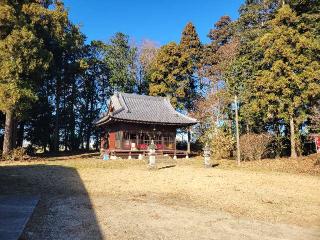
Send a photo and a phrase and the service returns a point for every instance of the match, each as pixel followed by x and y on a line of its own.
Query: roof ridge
pixel 168 103
pixel 121 100
pixel 135 95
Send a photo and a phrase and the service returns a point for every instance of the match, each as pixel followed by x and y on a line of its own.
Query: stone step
pixel 15 211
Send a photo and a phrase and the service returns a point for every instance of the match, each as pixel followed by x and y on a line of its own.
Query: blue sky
pixel 161 21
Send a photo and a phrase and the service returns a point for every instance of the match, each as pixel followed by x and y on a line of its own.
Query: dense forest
pixel 54 83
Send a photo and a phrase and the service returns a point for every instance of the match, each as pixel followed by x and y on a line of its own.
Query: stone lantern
pixel 207 156
pixel 152 154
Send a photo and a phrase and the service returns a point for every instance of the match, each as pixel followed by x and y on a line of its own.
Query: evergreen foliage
pixel 121 62
pixel 54 84
pixel 170 75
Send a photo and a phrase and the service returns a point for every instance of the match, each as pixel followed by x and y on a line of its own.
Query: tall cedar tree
pixel 65 42
pixel 251 25
pixel 22 62
pixel 221 50
pixel 289 79
pixel 191 45
pixel 93 86
pixel 121 62
pixel 170 75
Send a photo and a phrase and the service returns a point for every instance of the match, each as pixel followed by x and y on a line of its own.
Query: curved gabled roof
pixel 144 109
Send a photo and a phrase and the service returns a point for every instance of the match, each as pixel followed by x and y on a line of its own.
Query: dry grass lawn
pixel 83 197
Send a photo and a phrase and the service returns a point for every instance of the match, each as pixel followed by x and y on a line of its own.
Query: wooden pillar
pixel 317 143
pixel 189 140
pixel 175 145
pixel 162 141
pixel 102 142
pixel 137 139
pixel 121 139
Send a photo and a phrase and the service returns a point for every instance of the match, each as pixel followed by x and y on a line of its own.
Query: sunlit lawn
pixel 83 197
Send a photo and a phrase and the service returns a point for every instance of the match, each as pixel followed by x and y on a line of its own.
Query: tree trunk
pixel 237 130
pixel 14 134
pixel 56 131
pixel 56 125
pixel 89 124
pixel 88 135
pixel 189 140
pixel 8 132
pixel 72 122
pixel 20 134
pixel 292 139
pixel 80 135
pixel 278 143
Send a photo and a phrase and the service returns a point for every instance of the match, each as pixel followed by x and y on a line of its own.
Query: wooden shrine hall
pixel 133 121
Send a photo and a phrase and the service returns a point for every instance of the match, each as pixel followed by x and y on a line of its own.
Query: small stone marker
pixel 106 155
pixel 207 156
pixel 152 154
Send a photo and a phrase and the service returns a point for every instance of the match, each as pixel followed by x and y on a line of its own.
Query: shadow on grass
pixel 68 154
pixel 64 211
pixel 215 165
pixel 170 166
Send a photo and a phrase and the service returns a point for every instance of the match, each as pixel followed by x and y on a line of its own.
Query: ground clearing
pixel 86 198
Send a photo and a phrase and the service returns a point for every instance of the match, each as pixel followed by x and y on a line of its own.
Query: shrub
pixel 30 150
pixel 220 142
pixel 253 146
pixel 279 146
pixel 17 154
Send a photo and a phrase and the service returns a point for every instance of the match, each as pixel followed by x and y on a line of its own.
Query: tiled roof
pixel 141 108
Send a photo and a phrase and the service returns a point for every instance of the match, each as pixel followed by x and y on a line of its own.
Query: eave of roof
pixel 111 120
